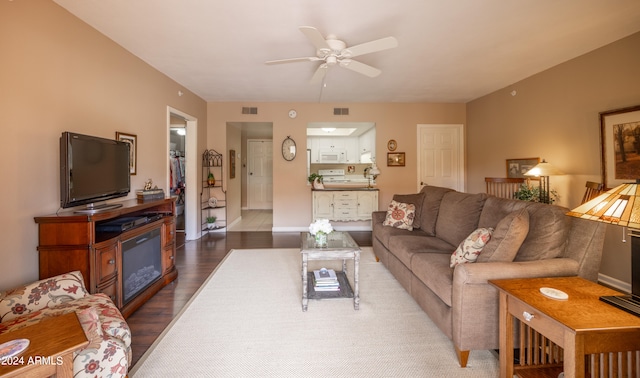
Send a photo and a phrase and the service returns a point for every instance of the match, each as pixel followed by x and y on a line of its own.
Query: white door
pixel 441 156
pixel 260 174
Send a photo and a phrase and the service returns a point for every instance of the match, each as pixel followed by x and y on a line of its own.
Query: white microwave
pixel 333 156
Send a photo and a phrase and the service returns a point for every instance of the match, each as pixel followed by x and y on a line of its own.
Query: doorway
pixel 190 211
pixel 245 210
pixel 177 167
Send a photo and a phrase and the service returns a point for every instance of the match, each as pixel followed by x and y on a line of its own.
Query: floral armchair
pixel 109 351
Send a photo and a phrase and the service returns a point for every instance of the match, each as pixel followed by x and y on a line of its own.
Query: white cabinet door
pixel 367 204
pixel 322 205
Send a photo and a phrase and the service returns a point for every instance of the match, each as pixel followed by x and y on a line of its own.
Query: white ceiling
pixel 449 51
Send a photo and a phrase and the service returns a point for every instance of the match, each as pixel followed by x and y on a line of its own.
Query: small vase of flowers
pixel 320 229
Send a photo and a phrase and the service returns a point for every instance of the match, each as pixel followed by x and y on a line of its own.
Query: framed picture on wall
pixel 395 159
pixel 133 144
pixel 516 168
pixel 232 163
pixel 620 146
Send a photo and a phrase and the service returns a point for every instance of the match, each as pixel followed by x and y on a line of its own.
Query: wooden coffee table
pixel 340 246
pixel 51 346
pixel 582 325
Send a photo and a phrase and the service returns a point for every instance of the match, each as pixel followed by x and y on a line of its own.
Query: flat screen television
pixel 92 170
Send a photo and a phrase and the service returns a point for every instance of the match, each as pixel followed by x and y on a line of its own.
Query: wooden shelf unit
pixel 68 241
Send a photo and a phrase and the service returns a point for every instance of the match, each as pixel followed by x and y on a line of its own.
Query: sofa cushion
pixel 471 247
pixel 405 246
pixel 384 234
pixel 433 270
pixel 400 215
pixel 507 237
pixel 548 232
pixel 414 199
pixel 430 208
pixel 458 216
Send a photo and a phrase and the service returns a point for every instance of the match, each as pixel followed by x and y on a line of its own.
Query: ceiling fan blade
pixel 360 68
pixel 316 38
pixel 319 74
pixel 370 47
pixel 292 60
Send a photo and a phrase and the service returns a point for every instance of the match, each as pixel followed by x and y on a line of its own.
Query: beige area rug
pixel 247 321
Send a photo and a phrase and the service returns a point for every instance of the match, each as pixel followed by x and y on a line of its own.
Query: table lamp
pixel 544 170
pixel 371 171
pixel 619 206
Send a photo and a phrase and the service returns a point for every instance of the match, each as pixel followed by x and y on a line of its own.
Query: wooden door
pixel 441 156
pixel 260 174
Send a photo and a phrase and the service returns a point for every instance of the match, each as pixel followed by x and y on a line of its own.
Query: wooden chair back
pixel 503 187
pixel 593 190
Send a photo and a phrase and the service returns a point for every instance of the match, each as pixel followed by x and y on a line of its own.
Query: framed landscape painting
pixel 620 146
pixel 516 168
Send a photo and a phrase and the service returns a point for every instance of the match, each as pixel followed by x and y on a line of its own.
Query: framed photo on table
pixel 620 146
pixel 133 144
pixel 516 168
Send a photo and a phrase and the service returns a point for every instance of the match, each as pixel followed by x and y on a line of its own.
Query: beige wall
pixel 554 115
pixel 292 195
pixel 58 74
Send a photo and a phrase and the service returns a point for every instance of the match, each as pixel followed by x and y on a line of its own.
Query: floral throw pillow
pixel 400 215
pixel 470 248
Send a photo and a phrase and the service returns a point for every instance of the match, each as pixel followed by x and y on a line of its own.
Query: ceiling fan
pixel 332 51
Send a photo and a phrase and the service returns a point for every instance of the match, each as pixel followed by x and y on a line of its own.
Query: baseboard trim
pixel 614 283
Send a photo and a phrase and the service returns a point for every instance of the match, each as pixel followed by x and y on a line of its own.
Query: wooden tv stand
pixel 68 241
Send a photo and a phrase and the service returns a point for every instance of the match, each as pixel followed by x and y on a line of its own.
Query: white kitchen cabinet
pixel 344 205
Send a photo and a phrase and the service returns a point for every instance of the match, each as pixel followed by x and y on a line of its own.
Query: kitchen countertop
pixel 327 189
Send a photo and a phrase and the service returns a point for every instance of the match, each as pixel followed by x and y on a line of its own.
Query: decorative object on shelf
pixel 232 164
pixel 211 222
pixel 516 168
pixel 392 145
pixel 372 171
pixel 543 170
pixel 213 202
pixel 618 139
pixel 130 139
pixel 320 229
pixel 312 177
pixel 288 149
pixel 211 180
pixel 148 184
pixel 395 159
pixel 316 181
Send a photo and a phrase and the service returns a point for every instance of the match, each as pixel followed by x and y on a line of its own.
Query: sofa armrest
pixel 475 304
pixel 479 273
pixel 378 216
pixel 38 295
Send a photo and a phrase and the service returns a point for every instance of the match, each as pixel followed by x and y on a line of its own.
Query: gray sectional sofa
pixel 460 300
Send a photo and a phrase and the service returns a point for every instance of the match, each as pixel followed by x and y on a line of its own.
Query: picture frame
pixel 395 159
pixel 132 139
pixel 516 168
pixel 232 164
pixel 620 146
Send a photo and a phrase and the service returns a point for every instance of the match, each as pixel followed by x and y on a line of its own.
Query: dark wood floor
pixel 195 260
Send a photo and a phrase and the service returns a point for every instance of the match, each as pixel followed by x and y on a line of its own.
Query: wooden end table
pixel 582 324
pixel 51 346
pixel 340 246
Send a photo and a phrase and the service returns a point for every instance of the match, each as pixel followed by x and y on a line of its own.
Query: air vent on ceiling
pixel 340 111
pixel 249 110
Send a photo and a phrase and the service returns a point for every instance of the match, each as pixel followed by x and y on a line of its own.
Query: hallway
pixel 254 220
